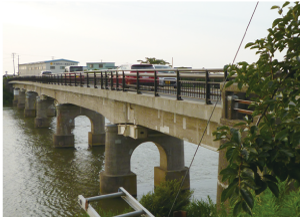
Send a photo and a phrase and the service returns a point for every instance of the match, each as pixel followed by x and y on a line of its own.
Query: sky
pixel 190 33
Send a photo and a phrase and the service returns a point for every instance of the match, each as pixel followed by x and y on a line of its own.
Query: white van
pixel 46 72
pixel 166 81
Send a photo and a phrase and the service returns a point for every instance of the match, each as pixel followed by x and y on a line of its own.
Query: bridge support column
pixel 171 161
pixel 51 112
pixel 21 100
pixel 97 134
pixel 118 150
pixel 30 103
pixel 64 125
pixel 16 96
pixel 42 104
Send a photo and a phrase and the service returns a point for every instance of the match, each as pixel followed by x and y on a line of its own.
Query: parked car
pixel 168 80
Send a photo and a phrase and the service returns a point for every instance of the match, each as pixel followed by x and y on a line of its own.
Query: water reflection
pixel 39 180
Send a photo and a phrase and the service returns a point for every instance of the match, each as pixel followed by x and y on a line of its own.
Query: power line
pixel 211 114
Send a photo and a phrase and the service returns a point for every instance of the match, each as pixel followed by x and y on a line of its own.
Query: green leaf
pixel 246 208
pixel 274 188
pixel 229 153
pixel 285 4
pixel 274 7
pixel 281 135
pixel 236 136
pixel 270 178
pixel 247 197
pixel 239 124
pixel 249 44
pixel 237 208
pixel 225 145
pixel 228 191
pixel 275 22
pixel 263 186
pixel 229 83
pixel 287 152
pixel 228 171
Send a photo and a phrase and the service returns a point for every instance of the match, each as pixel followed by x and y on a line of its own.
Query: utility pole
pixel 13 55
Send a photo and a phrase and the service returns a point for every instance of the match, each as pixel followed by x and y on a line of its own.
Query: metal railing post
pixel 65 79
pixel 111 80
pixel 95 80
pixel 178 94
pixel 117 80
pixel 137 82
pixel 87 80
pixel 70 79
pixel 123 81
pixel 207 88
pixel 75 78
pixel 101 80
pixel 155 83
pixel 106 82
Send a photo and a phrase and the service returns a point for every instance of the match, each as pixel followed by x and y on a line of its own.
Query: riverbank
pixel 8 95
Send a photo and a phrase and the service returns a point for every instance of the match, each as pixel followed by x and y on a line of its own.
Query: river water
pixel 39 180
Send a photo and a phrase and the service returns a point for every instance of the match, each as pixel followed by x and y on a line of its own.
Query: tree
pixel 153 61
pixel 259 154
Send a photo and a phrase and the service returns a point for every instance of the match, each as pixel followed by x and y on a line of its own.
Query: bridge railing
pixel 201 84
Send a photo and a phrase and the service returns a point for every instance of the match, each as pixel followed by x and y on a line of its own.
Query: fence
pixel 201 84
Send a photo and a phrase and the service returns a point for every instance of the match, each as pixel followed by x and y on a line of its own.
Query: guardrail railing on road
pixel 201 84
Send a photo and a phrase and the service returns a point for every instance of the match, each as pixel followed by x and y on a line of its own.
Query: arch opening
pixel 144 158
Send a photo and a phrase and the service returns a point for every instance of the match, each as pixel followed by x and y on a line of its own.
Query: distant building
pixel 35 68
pixel 100 65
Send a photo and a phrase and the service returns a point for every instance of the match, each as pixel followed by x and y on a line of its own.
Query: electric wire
pixel 211 113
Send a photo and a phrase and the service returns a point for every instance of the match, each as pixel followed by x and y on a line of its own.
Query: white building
pixel 35 68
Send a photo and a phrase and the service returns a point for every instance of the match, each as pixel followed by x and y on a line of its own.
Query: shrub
pixel 160 201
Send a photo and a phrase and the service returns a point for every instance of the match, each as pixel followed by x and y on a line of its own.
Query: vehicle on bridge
pixel 142 69
pixel 46 72
pixel 168 80
pixel 74 69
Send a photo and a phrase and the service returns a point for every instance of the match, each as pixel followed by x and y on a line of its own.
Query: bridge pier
pixel 42 104
pixel 21 100
pixel 16 96
pixel 66 113
pixel 30 104
pixel 51 111
pixel 118 151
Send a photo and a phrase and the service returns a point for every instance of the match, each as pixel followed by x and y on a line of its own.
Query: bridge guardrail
pixel 201 84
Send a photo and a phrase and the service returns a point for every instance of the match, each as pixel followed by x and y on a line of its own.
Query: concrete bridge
pixel 135 118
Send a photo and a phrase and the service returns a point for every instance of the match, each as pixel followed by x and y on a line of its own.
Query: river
pixel 39 180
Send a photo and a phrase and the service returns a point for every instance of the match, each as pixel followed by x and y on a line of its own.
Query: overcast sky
pixel 196 33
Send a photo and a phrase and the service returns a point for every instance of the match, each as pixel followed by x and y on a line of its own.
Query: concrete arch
pixel 66 113
pixel 118 152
